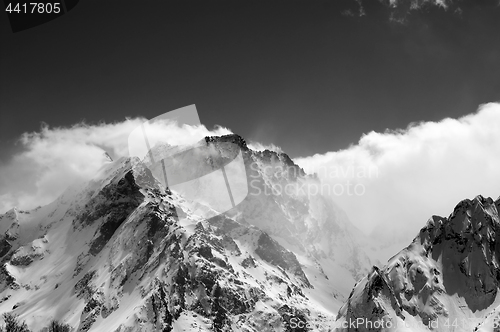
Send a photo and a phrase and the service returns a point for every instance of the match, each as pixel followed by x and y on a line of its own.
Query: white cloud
pixel 400 10
pixel 392 181
pixel 416 4
pixel 53 158
pixel 405 176
pixel 256 146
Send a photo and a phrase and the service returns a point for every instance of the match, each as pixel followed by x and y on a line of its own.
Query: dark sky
pixel 303 75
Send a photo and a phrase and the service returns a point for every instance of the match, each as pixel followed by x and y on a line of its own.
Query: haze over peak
pixel 428 164
pixel 425 168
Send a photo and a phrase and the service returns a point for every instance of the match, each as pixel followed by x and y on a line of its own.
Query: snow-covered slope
pixel 288 204
pixel 123 253
pixel 447 279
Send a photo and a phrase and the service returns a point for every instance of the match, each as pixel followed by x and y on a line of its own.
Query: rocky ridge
pixel 447 279
pixel 123 253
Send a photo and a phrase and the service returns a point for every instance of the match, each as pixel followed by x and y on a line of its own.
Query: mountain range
pixel 125 252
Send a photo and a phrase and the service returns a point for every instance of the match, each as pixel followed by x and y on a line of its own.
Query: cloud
pixel 54 158
pixel 388 183
pixel 394 181
pixel 400 11
pixel 256 146
pixel 353 13
pixel 417 4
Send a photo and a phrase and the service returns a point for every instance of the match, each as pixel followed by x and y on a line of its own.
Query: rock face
pixel 123 253
pixel 281 192
pixel 446 279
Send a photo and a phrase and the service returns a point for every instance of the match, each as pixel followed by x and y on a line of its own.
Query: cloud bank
pixel 399 178
pixel 388 183
pixel 54 158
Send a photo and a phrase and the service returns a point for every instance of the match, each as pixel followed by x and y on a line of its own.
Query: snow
pixel 115 289
pixel 444 280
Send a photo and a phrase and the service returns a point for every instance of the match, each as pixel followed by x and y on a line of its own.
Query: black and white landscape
pixel 339 172
pixel 123 253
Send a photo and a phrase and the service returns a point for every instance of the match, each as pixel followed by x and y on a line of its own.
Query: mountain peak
pixel 231 138
pixel 450 271
pixel 132 255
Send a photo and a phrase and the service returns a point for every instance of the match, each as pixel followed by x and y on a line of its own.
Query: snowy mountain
pixel 447 279
pixel 124 253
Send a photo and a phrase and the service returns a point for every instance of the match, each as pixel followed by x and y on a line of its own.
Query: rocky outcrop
pixel 451 258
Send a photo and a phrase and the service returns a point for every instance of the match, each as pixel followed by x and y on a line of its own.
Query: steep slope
pixel 123 253
pixel 447 279
pixel 303 219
